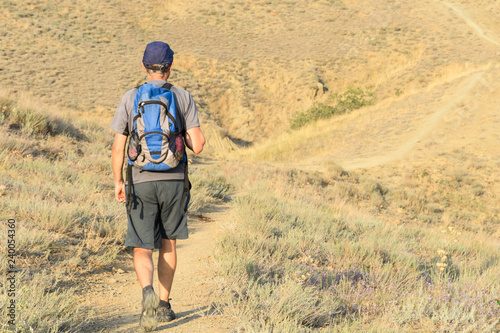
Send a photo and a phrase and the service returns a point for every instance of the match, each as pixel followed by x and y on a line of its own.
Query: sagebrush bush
pixel 30 121
pixel 37 122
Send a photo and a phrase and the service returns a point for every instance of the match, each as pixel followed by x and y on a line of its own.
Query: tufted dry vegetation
pixel 307 250
pixel 56 184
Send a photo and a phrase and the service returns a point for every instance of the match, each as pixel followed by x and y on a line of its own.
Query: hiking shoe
pixel 150 302
pixel 165 312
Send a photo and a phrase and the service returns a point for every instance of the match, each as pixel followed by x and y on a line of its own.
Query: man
pixel 156 219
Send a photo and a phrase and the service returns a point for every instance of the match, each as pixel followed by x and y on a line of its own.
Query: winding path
pixel 480 31
pixel 424 130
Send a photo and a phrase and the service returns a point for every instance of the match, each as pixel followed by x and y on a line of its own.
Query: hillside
pixel 240 58
pixel 395 200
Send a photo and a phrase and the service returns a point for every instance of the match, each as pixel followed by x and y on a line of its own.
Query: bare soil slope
pixel 250 64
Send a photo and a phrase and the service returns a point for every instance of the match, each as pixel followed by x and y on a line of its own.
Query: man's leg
pixel 173 227
pixel 143 264
pixel 167 260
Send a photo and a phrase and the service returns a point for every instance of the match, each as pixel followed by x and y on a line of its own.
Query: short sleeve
pixel 120 120
pixel 191 114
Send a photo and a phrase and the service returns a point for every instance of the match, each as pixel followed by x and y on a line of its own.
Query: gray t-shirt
pixel 122 123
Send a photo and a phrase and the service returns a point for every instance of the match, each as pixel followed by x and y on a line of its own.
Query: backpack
pixel 156 142
pixel 157 139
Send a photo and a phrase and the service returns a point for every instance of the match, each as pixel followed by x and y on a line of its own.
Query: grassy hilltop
pixel 382 215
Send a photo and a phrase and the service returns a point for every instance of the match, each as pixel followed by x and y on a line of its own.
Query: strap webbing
pixel 129 194
pixel 187 187
pixel 154 132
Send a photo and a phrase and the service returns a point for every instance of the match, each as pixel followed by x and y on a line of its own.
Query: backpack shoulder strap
pixel 168 86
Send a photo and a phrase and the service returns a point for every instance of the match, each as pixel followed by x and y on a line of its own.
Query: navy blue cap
pixel 157 53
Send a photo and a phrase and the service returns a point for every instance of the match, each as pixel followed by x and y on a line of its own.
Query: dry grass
pixel 210 189
pixel 298 255
pixel 68 224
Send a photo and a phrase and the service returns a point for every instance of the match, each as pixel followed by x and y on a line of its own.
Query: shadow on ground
pixel 188 316
pixel 130 323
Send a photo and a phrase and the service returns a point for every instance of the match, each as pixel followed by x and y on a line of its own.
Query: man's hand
pixel 120 192
pixel 117 155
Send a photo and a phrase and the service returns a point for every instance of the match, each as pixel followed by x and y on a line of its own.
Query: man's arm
pixel 195 140
pixel 117 155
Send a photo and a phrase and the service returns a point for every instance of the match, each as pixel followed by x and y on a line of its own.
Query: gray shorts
pixel 156 213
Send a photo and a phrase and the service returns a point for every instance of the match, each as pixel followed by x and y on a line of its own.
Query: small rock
pixel 120 271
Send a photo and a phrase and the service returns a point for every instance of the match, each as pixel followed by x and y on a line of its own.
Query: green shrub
pixel 317 111
pixel 352 99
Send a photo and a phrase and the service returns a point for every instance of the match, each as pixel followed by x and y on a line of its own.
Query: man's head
pixel 157 59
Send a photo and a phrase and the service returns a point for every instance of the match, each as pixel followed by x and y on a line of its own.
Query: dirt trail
pixel 424 130
pixel 116 296
pixel 480 31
